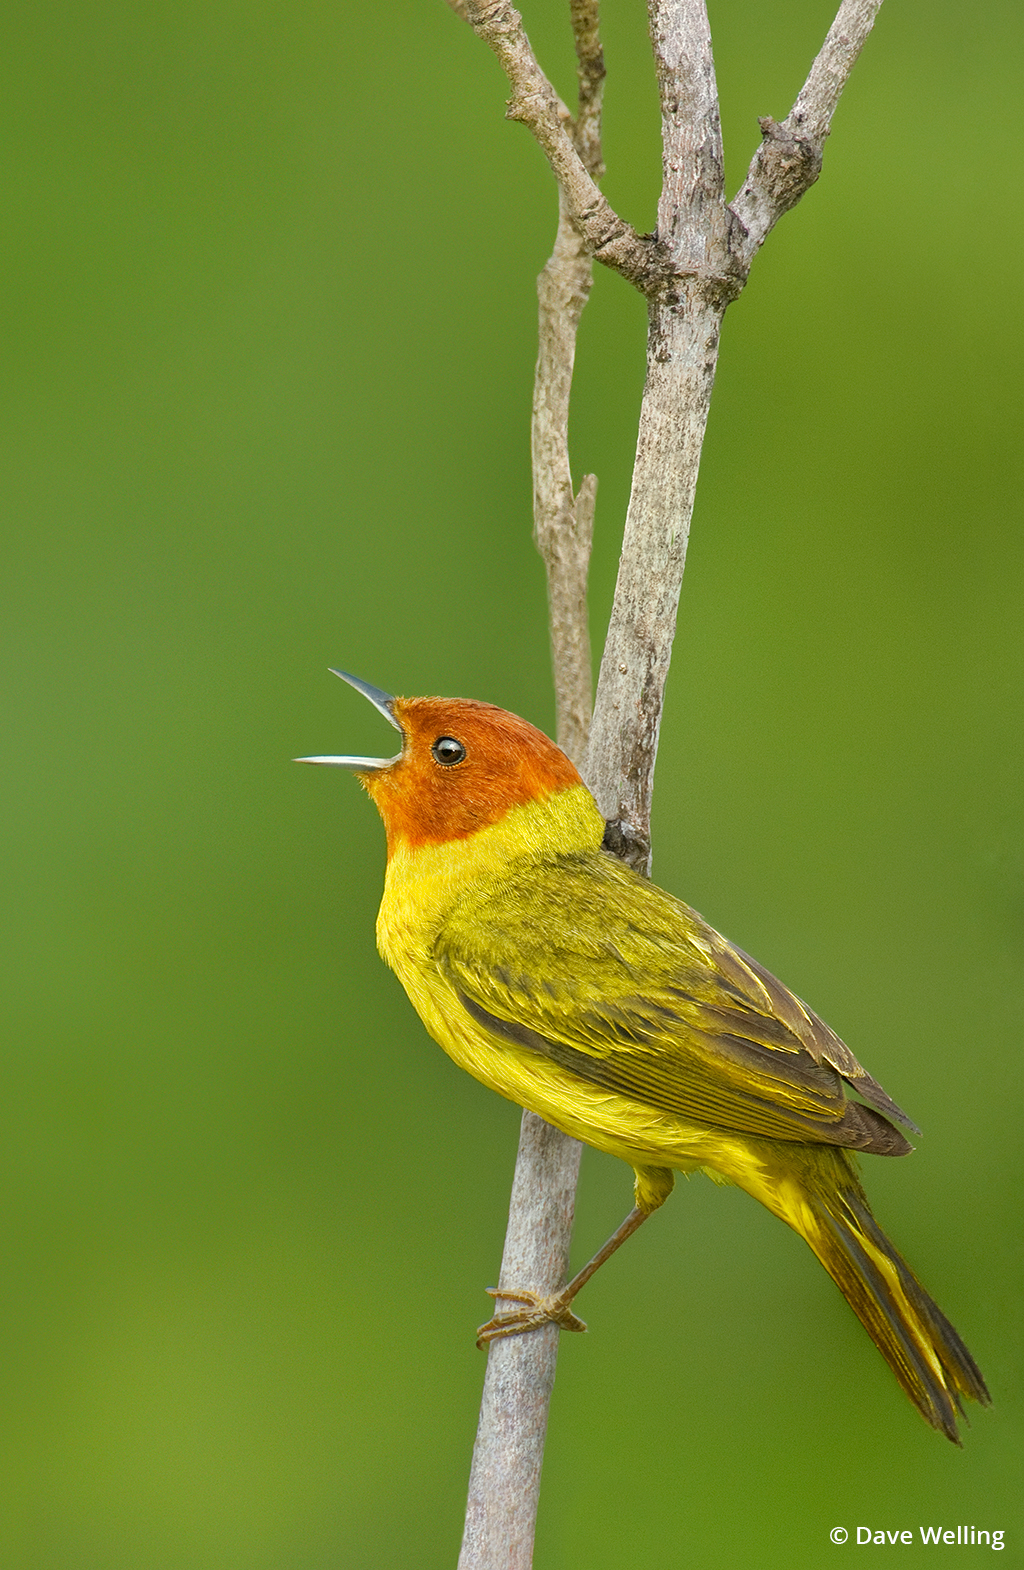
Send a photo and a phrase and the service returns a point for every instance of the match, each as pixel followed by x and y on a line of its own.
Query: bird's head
pixel 462 766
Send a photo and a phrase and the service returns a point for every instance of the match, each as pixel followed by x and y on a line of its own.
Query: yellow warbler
pixel 568 983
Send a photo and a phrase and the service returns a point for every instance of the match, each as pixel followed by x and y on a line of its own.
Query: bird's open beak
pixel 380 700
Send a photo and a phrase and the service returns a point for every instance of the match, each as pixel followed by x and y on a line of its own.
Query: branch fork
pixel 785 166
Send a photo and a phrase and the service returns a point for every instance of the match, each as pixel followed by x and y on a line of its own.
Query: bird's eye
pixel 447 750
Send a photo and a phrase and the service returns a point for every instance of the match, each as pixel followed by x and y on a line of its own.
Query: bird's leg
pixel 538 1310
pixel 652 1186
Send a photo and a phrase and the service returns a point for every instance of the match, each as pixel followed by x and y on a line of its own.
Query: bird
pixel 567 982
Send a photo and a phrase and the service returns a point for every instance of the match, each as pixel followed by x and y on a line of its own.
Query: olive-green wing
pixel 593 967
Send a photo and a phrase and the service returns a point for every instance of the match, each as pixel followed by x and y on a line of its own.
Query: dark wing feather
pixel 581 960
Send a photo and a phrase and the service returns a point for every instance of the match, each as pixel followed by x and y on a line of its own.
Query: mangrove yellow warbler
pixel 566 982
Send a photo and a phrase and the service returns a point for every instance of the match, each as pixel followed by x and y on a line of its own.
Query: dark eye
pixel 447 750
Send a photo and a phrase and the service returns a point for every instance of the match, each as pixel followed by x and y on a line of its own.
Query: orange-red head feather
pixel 505 762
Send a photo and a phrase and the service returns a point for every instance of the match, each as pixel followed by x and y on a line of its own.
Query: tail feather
pixel 817 1192
pixel 916 1339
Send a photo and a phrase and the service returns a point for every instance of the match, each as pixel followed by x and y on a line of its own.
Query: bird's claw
pixel 536 1311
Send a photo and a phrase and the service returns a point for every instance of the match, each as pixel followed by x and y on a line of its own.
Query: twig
pixel 789 159
pixel 535 102
pixel 563 524
pixel 590 74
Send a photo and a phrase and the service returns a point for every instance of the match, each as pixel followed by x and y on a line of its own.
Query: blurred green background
pixel 269 314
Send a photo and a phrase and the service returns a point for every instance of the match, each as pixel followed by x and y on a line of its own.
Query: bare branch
pixel 789 159
pixel 504 1486
pixel 534 101
pixel 817 99
pixel 590 75
pixel 563 529
pixel 570 633
pixel 691 211
pixel 681 358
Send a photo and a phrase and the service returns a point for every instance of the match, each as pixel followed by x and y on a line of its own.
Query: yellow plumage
pixel 581 949
pixel 567 983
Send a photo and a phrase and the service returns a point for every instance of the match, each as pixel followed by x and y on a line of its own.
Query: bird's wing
pixel 581 960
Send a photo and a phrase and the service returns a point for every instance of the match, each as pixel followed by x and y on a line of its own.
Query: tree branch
pixel 563 524
pixel 691 216
pixel 590 74
pixel 681 357
pixel 535 102
pixel 504 1483
pixel 682 351
pixel 789 159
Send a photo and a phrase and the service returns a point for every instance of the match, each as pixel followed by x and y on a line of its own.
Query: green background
pixel 268 292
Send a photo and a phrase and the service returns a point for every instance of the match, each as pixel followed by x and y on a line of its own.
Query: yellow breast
pixel 422 888
pixel 424 884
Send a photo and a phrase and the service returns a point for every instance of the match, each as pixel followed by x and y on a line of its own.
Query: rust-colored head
pixel 462 766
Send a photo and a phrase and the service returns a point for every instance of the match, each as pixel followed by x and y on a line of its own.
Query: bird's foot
pixel 536 1311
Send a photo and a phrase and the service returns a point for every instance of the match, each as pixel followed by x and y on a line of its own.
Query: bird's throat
pixel 425 882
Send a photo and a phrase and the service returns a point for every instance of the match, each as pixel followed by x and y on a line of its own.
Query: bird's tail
pixel 821 1198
